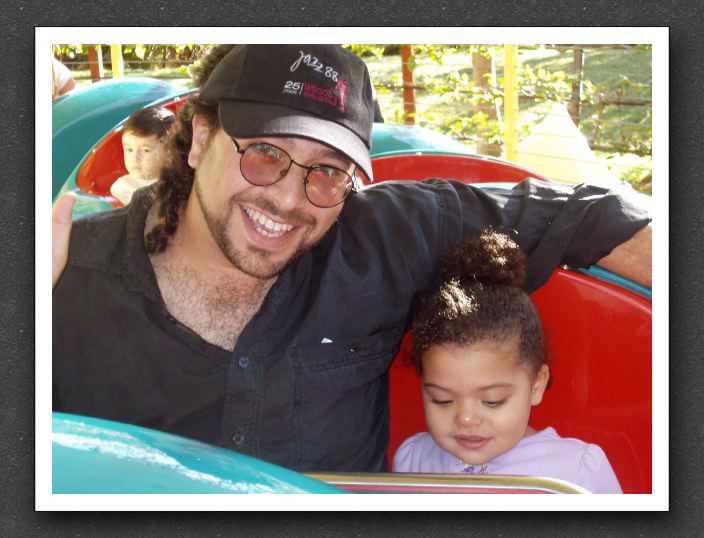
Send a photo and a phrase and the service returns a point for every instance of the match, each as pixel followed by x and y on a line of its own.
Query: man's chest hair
pixel 215 308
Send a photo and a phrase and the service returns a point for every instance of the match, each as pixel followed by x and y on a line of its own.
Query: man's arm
pixel 60 233
pixel 633 259
pixel 560 225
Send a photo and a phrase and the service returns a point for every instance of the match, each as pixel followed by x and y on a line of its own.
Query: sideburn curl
pixel 176 179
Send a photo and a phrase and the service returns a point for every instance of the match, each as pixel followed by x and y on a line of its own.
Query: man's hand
pixel 61 232
pixel 634 258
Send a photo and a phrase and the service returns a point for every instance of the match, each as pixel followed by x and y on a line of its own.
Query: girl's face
pixel 478 398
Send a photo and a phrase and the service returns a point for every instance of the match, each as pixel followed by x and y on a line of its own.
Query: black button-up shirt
pixel 306 385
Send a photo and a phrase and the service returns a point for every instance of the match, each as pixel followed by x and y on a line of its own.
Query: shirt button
pixel 238 438
pixel 171 319
pixel 243 362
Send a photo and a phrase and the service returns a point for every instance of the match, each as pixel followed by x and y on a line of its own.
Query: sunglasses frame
pixel 353 177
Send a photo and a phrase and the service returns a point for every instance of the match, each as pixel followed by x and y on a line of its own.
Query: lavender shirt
pixel 544 453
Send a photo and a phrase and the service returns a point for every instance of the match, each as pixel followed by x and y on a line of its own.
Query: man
pixel 253 300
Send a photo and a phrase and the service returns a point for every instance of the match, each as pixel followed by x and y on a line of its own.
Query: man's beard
pixel 255 262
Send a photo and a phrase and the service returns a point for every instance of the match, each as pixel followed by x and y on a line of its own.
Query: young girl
pixel 480 352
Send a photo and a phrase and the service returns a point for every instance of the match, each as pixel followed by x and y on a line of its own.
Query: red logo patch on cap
pixel 342 92
pixel 315 92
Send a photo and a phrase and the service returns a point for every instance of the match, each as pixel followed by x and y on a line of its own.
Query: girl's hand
pixel 61 232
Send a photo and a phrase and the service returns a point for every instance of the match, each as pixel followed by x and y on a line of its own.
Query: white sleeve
pixel 62 75
pixel 122 189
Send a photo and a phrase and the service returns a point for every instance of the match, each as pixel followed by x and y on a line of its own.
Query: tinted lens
pixel 327 186
pixel 263 164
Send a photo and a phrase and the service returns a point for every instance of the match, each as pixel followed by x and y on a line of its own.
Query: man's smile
pixel 266 226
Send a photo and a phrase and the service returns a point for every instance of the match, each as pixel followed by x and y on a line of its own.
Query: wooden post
pixel 575 100
pixel 482 75
pixel 118 66
pixel 510 101
pixel 95 61
pixel 409 92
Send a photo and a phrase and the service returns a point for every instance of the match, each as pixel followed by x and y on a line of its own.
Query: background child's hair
pixel 481 297
pixel 150 121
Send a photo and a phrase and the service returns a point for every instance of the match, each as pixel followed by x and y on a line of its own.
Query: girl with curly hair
pixel 480 351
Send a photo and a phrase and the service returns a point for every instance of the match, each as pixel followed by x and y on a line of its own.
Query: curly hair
pixel 200 71
pixel 176 180
pixel 480 297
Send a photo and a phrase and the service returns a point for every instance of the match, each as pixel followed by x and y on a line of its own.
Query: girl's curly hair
pixel 481 297
pixel 176 180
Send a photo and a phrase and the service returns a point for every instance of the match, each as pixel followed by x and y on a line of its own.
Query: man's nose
pixel 290 189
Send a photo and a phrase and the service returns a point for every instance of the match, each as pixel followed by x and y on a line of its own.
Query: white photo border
pixel 657 36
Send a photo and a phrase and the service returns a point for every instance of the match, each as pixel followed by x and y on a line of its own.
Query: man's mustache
pixel 295 217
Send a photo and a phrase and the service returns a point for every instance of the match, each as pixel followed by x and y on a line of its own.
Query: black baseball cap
pixel 320 92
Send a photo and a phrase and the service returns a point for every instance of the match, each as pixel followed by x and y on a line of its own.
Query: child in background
pixel 142 143
pixel 480 351
pixel 62 80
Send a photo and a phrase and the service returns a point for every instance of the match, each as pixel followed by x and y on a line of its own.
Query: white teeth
pixel 266 226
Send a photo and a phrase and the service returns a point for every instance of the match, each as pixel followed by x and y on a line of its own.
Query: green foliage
pixel 71 52
pixel 366 51
pixel 614 90
pixel 136 56
pixel 614 94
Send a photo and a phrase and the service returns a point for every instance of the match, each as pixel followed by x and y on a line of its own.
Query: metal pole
pixel 510 101
pixel 118 67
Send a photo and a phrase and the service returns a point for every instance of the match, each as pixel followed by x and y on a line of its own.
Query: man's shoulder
pixel 401 197
pixel 109 238
pixel 394 200
pixel 99 239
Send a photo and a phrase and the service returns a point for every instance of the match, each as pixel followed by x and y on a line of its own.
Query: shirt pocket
pixel 341 402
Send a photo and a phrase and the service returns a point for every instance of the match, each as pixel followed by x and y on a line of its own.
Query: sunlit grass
pixel 614 74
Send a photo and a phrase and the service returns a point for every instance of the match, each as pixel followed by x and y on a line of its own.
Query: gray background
pixel 17 516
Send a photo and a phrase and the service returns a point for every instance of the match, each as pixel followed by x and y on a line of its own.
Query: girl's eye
pixel 441 402
pixel 494 403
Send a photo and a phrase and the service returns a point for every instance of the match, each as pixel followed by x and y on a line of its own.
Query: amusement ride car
pixel 598 326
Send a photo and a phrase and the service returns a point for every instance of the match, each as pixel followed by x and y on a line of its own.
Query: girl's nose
pixel 468 416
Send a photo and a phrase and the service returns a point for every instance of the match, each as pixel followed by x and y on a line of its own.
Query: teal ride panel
pixel 91 455
pixel 80 118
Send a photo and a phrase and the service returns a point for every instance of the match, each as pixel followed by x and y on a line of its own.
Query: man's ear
pixel 201 131
pixel 541 381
